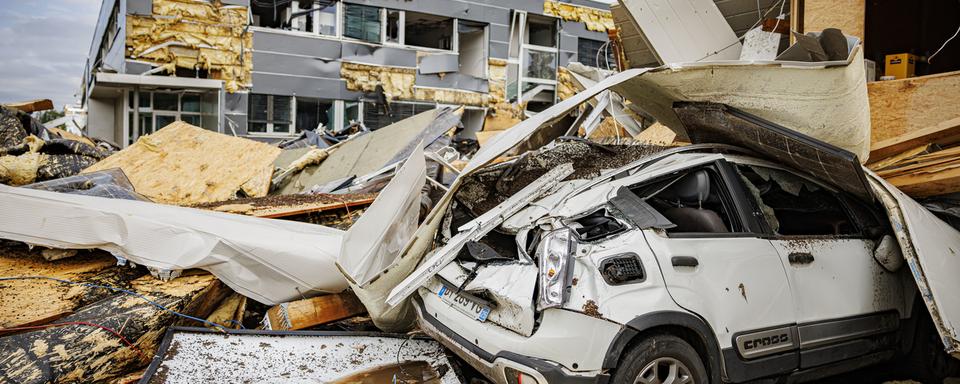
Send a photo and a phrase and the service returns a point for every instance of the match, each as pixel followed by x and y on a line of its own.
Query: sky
pixel 43 48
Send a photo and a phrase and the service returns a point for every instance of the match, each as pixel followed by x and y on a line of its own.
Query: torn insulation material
pixel 194 35
pixel 597 20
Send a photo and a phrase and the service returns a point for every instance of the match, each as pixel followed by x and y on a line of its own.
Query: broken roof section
pixel 373 151
pixel 183 164
pixel 270 261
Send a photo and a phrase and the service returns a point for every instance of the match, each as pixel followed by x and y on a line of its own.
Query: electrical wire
pixel 930 58
pixel 115 289
pixel 782 2
pixel 84 323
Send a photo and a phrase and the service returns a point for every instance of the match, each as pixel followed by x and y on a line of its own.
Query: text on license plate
pixel 463 304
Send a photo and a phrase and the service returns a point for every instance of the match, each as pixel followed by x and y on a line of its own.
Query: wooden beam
pixel 924 184
pixel 945 133
pixel 32 105
pixel 302 314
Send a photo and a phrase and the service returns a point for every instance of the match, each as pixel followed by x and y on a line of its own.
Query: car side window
pixel 695 201
pixel 794 206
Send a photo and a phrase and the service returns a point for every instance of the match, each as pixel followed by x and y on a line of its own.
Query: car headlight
pixel 555 258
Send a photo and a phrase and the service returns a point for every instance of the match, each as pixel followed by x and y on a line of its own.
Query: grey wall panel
pixel 566 58
pixel 377 55
pixel 467 10
pixel 296 45
pixel 236 2
pixel 499 50
pixel 301 86
pixel 234 103
pixel 499 32
pixel 295 65
pixel 579 29
pixel 454 80
pixel 140 7
pixel 568 42
pixel 439 63
pixel 136 68
pixel 588 3
pixel 235 123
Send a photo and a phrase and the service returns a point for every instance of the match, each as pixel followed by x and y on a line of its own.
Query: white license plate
pixel 464 304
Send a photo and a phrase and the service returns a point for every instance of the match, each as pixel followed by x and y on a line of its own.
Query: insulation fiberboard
pixel 183 164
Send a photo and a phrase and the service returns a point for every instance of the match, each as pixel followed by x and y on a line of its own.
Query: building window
pixel 376 116
pixel 317 17
pixel 159 109
pixel 541 31
pixel 428 31
pixel 312 113
pixel 393 33
pixel 541 64
pixel 270 114
pixel 361 22
pixel 595 53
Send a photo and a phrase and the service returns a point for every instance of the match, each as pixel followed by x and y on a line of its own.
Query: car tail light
pixel 516 377
pixel 555 256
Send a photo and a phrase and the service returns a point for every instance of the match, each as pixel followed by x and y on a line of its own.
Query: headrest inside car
pixel 692 189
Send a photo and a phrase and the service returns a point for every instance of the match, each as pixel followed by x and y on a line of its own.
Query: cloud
pixel 43 48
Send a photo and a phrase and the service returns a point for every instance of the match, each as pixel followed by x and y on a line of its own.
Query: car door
pixel 728 274
pixel 846 303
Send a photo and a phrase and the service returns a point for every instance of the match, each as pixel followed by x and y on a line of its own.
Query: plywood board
pixel 945 133
pixel 846 15
pixel 183 164
pixel 898 107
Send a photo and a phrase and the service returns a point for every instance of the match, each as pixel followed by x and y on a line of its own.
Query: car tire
pixel 661 359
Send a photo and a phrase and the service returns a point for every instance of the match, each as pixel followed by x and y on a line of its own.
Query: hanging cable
pixel 782 2
pixel 115 289
pixel 929 59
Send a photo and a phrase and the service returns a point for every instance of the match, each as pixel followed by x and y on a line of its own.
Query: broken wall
pixel 597 20
pixel 195 36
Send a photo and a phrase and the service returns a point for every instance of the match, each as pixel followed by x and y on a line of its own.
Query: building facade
pixel 268 69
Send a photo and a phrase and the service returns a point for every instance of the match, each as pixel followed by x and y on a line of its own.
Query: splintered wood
pixel 922 163
pixel 182 164
pixel 302 314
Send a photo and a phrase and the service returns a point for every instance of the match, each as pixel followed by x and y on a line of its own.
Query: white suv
pixel 705 263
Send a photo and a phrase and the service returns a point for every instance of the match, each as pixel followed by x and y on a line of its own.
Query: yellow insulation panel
pixel 597 20
pixel 566 87
pixel 194 35
pixel 397 82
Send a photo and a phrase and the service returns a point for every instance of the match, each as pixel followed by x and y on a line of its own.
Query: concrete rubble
pixel 192 255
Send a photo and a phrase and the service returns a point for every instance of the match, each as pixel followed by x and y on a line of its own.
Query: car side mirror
pixel 888 253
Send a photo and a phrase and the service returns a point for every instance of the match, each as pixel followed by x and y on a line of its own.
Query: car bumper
pixel 503 352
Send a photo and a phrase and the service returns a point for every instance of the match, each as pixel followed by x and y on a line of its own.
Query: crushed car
pixel 695 264
pixel 758 253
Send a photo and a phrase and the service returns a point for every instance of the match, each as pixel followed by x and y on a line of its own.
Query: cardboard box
pixel 900 66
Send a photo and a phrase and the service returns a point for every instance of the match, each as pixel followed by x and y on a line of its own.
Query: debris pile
pixel 194 256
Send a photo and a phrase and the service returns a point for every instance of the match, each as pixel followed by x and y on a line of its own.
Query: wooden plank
pixel 899 107
pixel 291 211
pixel 302 314
pixel 944 134
pixel 897 159
pixel 847 15
pixel 32 105
pixel 82 353
pixel 183 164
pixel 928 184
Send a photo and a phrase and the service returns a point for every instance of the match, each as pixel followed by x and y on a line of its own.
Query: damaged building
pixel 271 69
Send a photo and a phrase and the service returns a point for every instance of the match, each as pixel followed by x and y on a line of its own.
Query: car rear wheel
pixel 661 359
